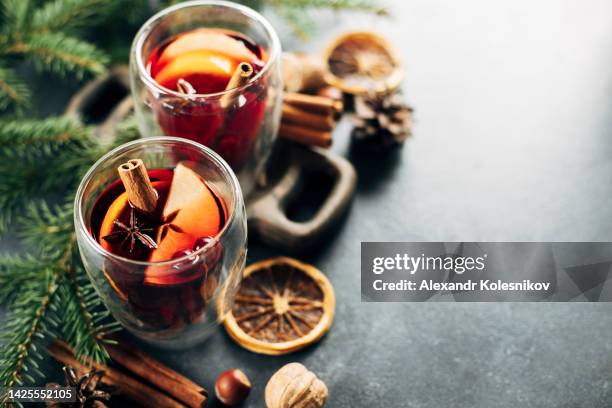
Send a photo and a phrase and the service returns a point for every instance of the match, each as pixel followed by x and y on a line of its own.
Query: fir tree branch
pixel 30 320
pixel 43 132
pixel 55 52
pixel 46 229
pixel 82 317
pixel 68 14
pixel 21 182
pixel 16 271
pixel 83 324
pixel 40 157
pixel 13 91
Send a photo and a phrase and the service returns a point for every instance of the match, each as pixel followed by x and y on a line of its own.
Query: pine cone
pixel 87 393
pixel 382 122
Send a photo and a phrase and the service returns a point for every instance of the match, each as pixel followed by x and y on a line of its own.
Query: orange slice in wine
pixel 118 211
pixel 217 69
pixel 191 211
pixel 216 42
pixel 113 213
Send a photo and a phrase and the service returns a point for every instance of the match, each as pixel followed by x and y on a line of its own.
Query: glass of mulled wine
pixel 209 71
pixel 161 229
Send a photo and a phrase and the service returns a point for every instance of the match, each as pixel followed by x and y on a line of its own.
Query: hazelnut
pixel 293 386
pixel 232 387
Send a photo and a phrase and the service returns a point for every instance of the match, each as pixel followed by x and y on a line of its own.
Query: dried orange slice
pixel 282 306
pixel 361 63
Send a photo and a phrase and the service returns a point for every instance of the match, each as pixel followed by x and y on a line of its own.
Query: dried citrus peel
pixel 361 63
pixel 283 305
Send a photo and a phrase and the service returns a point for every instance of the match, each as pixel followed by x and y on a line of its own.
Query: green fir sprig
pixel 50 274
pixel 46 36
pixel 39 157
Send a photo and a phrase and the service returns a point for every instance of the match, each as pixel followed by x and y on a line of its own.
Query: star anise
pixel 167 224
pixel 133 233
pixel 88 389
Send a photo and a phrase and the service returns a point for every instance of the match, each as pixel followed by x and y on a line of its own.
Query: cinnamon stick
pixel 139 189
pixel 129 387
pixel 297 116
pixel 314 103
pixel 240 77
pixel 166 379
pixel 305 135
pixel 185 87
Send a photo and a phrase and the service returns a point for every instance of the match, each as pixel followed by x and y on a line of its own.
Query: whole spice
pixel 292 114
pixel 293 386
pixel 314 103
pixel 139 189
pixel 240 77
pixel 132 234
pixel 161 376
pixel 309 119
pixel 232 387
pixel 305 135
pixel 88 394
pixel 125 385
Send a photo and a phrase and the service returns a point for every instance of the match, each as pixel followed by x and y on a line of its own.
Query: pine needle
pixel 40 157
pixel 83 321
pixel 32 284
pixel 61 54
pixel 68 14
pixel 15 14
pixel 13 91
pixel 84 317
pixel 48 132
pixel 30 319
pixel 45 229
pixel 16 271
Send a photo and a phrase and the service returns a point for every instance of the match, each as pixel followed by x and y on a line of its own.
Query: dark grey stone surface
pixel 512 143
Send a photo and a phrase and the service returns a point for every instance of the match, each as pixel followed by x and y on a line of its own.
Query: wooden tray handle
pixel 267 213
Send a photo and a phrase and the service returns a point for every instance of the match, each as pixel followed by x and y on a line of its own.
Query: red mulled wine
pixel 188 215
pixel 199 63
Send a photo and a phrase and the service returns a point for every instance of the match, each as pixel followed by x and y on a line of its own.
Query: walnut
pixel 293 386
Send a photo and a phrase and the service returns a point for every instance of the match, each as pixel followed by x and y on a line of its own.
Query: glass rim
pixel 79 219
pixel 143 32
